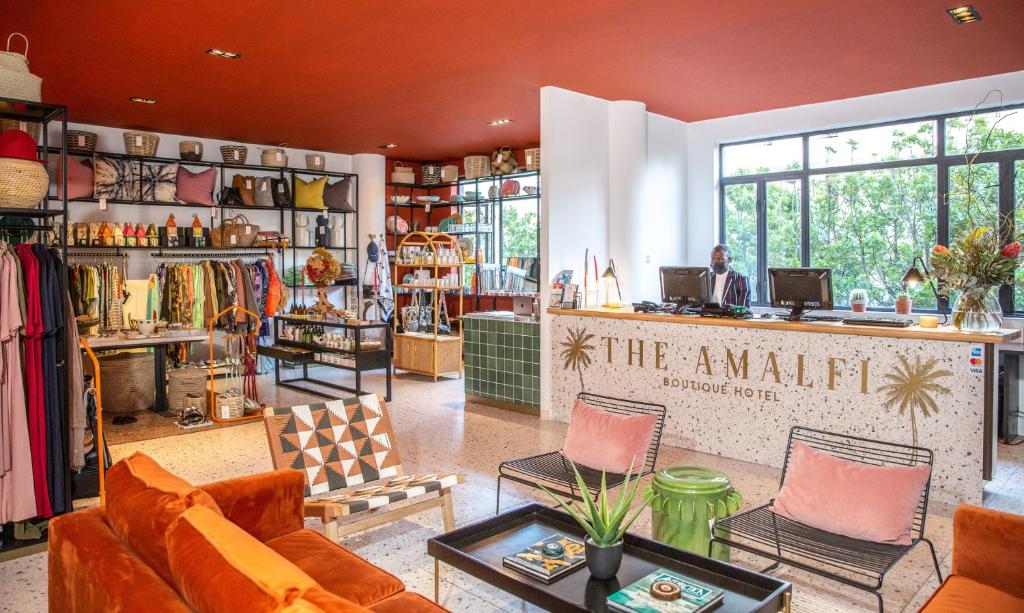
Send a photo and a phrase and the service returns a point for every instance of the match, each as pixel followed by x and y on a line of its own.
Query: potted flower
pixel 972 269
pixel 322 269
pixel 904 305
pixel 604 525
pixel 859 300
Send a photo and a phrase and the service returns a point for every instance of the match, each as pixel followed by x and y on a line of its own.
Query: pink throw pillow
pixel 79 179
pixel 196 187
pixel 608 441
pixel 871 503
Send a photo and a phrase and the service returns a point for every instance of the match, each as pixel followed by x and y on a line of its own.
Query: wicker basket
pixel 430 174
pixel 477 166
pixel 141 143
pixel 275 157
pixel 23 183
pixel 15 79
pixel 130 385
pixel 234 154
pixel 230 404
pixel 190 150
pixel 25 126
pixel 182 382
pixel 80 142
pixel 315 161
pixel 449 173
pixel 533 158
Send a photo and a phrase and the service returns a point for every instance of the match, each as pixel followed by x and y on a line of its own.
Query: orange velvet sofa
pixel 117 557
pixel 988 564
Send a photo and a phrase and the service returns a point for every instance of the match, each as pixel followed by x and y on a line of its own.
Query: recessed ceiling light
pixel 227 54
pixel 964 14
pixel 143 100
pixel 500 122
pixel 387 146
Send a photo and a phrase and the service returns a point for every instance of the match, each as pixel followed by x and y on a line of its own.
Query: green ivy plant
pixel 604 524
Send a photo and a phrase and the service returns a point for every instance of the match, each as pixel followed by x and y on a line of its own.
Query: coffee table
pixel 478 549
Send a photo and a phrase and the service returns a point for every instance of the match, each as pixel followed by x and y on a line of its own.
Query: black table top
pixel 478 550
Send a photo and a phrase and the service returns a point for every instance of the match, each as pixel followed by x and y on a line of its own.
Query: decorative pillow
pixel 196 187
pixel 115 179
pixel 216 566
pixel 607 441
pixel 247 187
pixel 143 499
pixel 310 195
pixel 79 179
pixel 337 195
pixel 872 503
pixel 264 195
pixel 282 195
pixel 159 182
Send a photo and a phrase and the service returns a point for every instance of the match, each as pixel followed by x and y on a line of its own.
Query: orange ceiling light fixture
pixel 387 146
pixel 142 100
pixel 231 55
pixel 964 14
pixel 500 122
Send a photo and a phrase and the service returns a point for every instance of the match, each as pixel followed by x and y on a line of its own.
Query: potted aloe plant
pixel 859 300
pixel 904 305
pixel 604 525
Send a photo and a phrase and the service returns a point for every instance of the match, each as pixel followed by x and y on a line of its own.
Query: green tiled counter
pixel 502 355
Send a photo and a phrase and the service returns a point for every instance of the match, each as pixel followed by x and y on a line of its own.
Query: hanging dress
pixel 32 338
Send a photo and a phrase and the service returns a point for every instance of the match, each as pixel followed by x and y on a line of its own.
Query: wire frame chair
pixel 553 469
pixel 854 562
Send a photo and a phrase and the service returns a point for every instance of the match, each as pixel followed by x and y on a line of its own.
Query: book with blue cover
pixel 531 560
pixel 694 597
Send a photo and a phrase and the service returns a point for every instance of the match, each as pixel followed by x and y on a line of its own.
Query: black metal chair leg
pixel 497 500
pixel 935 559
pixel 881 604
pixel 778 549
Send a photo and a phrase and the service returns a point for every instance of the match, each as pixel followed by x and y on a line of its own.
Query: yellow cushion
pixel 310 195
pixel 217 567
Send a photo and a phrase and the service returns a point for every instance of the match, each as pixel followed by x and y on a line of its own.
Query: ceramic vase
pixel 603 561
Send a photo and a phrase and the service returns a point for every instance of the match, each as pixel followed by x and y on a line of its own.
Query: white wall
pixel 704 137
pixel 369 167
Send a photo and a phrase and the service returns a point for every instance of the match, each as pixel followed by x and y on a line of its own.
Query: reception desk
pixel 735 387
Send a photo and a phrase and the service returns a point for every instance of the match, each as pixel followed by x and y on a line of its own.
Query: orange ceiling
pixel 347 76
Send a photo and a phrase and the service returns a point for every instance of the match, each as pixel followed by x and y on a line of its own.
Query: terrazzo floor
pixel 437 430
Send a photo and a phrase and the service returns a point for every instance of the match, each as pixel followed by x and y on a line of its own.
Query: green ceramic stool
pixel 684 499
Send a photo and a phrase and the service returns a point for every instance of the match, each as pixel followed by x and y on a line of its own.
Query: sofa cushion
pixel 196 187
pixel 217 566
pixel 406 602
pixel 873 503
pixel 80 181
pixel 336 569
pixel 958 594
pixel 143 499
pixel 607 441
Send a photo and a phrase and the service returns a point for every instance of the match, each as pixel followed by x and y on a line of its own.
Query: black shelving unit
pixel 45 116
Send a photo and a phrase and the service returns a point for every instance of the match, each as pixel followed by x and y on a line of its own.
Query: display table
pixel 735 387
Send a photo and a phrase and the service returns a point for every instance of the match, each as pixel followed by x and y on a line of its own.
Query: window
pixel 871 199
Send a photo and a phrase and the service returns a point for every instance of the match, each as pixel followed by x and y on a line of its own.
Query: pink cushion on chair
pixel 608 441
pixel 872 503
pixel 79 179
pixel 196 187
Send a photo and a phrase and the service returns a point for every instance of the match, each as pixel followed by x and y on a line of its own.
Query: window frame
pixel 942 162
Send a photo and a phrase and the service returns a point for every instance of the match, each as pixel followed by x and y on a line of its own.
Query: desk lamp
pixel 915 277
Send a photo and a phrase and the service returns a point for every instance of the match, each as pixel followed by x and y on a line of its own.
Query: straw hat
pixel 23 178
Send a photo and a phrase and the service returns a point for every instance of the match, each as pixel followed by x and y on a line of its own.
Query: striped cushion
pixel 395 490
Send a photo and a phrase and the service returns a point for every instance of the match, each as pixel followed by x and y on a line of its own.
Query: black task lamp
pixel 612 291
pixel 914 277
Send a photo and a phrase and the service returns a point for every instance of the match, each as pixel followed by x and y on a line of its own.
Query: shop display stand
pixel 211 401
pixel 430 354
pixel 44 116
pixel 358 359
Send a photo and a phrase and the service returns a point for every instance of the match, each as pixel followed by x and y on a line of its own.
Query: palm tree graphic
pixel 577 352
pixel 912 388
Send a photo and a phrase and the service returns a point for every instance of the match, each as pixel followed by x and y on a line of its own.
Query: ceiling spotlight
pixel 500 122
pixel 226 54
pixel 964 14
pixel 387 146
pixel 143 100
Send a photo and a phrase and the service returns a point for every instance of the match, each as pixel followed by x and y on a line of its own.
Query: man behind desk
pixel 728 286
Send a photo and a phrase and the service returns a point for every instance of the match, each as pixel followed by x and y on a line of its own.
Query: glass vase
pixel 978 310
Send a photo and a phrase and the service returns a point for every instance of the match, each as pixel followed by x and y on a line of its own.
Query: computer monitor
pixel 800 289
pixel 685 284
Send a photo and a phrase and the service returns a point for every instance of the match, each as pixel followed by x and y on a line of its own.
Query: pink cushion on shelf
pixel 196 187
pixel 79 179
pixel 871 503
pixel 608 441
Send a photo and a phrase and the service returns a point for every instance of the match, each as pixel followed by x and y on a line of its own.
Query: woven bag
pixel 274 156
pixel 141 143
pixel 244 233
pixel 477 166
pixel 430 174
pixel 182 382
pixel 190 150
pixel 15 79
pixel 234 154
pixel 503 161
pixel 130 383
pixel 230 404
pixel 23 183
pixel 533 158
pixel 25 126
pixel 80 142
pixel 315 161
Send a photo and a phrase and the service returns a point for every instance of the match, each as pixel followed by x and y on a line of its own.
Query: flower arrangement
pixel 321 268
pixel 974 266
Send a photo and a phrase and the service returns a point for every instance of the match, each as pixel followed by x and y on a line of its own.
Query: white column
pixel 370 168
pixel 627 172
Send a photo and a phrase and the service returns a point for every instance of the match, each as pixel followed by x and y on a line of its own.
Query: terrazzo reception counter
pixel 502 354
pixel 735 387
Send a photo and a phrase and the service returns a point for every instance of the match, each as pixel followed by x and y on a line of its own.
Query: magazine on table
pixel 692 596
pixel 535 562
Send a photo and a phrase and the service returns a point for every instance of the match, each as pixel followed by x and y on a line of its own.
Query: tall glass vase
pixel 978 310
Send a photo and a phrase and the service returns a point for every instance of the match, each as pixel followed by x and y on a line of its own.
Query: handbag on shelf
pixel 235 232
pixel 246 186
pixel 503 161
pixel 230 196
pixel 264 195
pixel 281 194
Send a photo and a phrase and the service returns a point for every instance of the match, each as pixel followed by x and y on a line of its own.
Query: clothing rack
pixel 216 254
pixel 96 255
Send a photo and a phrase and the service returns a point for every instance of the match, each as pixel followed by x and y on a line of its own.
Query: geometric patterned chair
pixel 349 445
